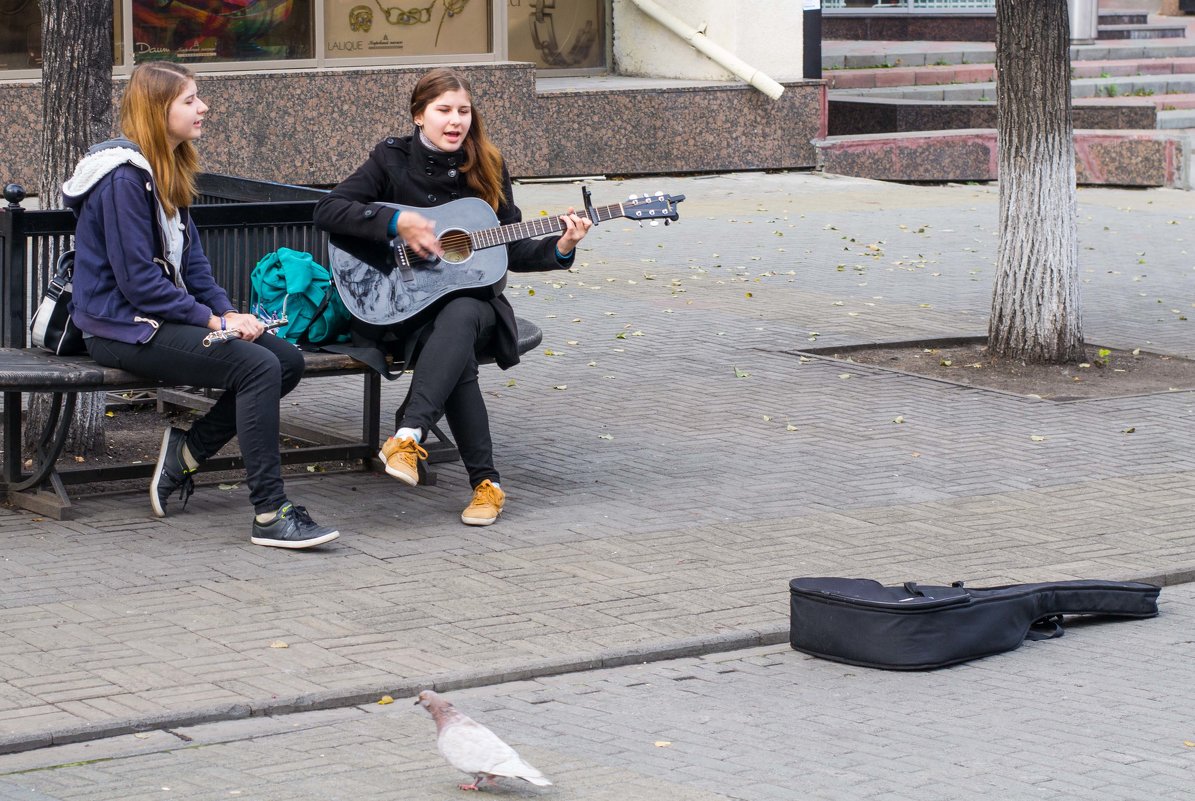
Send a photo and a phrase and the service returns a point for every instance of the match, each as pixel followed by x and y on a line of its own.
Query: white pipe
pixel 714 52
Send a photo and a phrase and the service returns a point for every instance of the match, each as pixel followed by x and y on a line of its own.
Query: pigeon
pixel 472 748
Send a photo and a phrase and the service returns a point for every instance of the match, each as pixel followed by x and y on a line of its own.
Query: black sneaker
pixel 172 472
pixel 292 527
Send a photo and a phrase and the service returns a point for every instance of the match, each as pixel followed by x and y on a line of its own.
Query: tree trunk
pixel 77 113
pixel 1036 315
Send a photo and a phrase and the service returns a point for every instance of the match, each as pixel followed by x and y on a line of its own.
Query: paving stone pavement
pixel 1105 713
pixel 671 462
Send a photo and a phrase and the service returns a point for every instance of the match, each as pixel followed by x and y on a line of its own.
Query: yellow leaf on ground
pixel 279 644
pixel 1037 438
pixel 663 743
pixel 385 699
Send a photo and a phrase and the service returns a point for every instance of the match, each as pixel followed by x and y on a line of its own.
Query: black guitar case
pixel 917 627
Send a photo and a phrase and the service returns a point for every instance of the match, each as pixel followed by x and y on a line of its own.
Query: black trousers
pixel 254 375
pixel 445 382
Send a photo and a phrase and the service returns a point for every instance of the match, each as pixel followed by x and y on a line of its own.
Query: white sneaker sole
pixel 159 510
pixel 480 521
pixel 294 546
pixel 403 477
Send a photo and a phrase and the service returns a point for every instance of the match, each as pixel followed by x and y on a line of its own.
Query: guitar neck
pixel 540 226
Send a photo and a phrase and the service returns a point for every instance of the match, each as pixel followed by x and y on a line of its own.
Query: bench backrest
pixel 239 221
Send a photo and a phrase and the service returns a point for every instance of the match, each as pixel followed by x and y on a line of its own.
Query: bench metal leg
pixel 41 491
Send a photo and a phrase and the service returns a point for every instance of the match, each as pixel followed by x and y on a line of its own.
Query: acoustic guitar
pixel 394 288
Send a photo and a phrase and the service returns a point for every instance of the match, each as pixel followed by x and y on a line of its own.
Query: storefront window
pixel 206 31
pixel 406 28
pixel 20 35
pixel 557 34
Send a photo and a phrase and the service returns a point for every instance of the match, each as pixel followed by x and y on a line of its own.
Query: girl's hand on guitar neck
pixel 419 234
pixel 575 229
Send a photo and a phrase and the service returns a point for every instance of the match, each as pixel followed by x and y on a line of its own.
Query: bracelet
pixel 223 323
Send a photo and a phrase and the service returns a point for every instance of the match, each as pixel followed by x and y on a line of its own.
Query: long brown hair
pixel 483 162
pixel 144 110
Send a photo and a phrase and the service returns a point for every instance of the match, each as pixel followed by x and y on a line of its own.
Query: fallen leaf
pixel 740 373
pixel 560 386
pixel 228 486
pixel 790 427
pixel 1037 438
pixel 385 699
pixel 279 644
pixel 511 383
pixel 1130 429
pixel 767 418
pixel 605 436
pixel 142 735
pixel 844 376
pixel 900 418
pixel 663 743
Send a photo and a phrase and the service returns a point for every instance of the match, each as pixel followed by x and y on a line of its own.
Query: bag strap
pixel 1048 628
pixel 302 339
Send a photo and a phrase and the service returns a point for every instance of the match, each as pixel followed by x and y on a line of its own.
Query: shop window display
pixel 381 28
pixel 20 35
pixel 202 31
pixel 557 34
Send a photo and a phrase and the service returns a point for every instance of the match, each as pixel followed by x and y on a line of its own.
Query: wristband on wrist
pixel 223 323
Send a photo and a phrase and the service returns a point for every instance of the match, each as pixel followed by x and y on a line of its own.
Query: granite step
pixel 1151 31
pixel 937 75
pixel 1110 158
pixel 840 54
pixel 1178 118
pixel 1123 17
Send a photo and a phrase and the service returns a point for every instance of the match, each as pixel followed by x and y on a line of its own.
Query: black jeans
pixel 445 382
pixel 254 375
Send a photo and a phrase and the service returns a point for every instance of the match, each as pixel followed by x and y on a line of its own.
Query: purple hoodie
pixel 123 286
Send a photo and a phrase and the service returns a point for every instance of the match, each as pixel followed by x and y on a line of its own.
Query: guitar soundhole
pixel 457 246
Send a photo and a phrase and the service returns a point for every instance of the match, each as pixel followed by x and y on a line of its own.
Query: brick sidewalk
pixel 670 466
pixel 1104 712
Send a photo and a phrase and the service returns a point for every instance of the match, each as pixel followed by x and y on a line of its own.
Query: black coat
pixel 401 170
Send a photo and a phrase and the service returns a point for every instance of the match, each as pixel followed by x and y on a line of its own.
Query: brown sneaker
pixel 486 505
pixel 402 458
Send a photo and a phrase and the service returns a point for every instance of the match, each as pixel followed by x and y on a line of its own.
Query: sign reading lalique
pixel 355 28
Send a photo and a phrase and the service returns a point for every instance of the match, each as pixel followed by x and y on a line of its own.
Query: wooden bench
pixel 239 221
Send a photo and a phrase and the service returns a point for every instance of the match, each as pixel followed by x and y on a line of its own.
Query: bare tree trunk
pixel 1036 315
pixel 77 113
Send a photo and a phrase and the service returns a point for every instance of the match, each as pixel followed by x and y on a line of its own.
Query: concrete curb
pixel 461 680
pixel 404 688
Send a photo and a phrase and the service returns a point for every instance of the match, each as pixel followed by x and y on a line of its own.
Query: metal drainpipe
pixel 715 53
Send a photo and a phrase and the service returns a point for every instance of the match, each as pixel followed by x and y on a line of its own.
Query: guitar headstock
pixel 652 207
